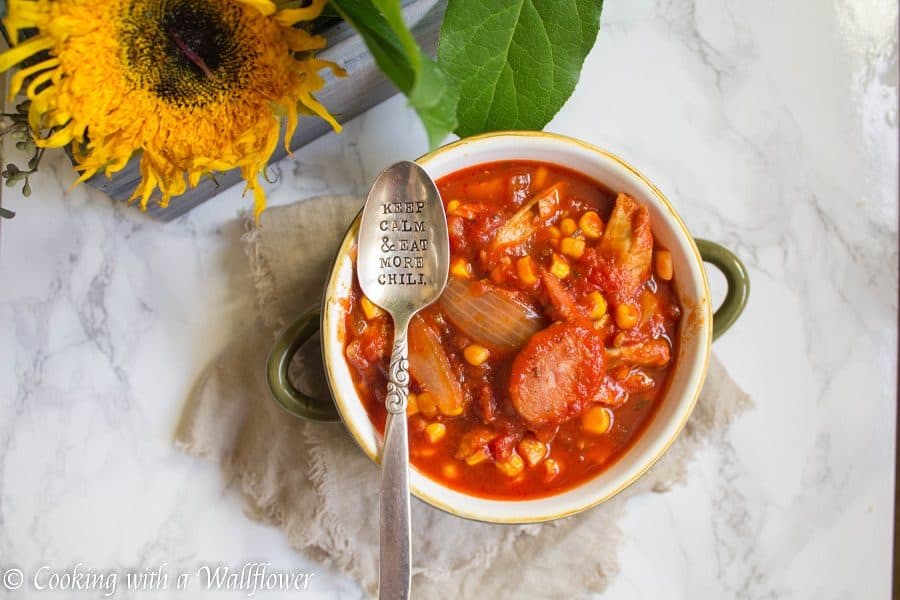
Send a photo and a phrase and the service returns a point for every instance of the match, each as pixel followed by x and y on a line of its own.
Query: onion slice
pixel 429 364
pixel 490 316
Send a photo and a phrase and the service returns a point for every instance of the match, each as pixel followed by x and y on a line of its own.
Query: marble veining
pixel 772 127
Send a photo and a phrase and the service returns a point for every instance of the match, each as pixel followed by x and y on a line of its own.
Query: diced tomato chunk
pixel 610 393
pixel 474 440
pixel 632 379
pixel 374 342
pixel 502 447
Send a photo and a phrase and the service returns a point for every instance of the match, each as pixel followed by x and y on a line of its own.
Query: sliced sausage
pixel 556 373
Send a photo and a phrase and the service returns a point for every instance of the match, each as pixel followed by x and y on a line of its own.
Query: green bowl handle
pixel 738 284
pixel 283 391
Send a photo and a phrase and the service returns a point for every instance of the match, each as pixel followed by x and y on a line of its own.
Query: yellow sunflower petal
pixel 250 175
pixel 290 127
pixel 266 7
pixel 61 118
pixel 300 40
pixel 117 165
pixel 148 183
pixel 38 81
pixel 85 175
pixel 57 139
pixel 17 54
pixel 291 16
pixel 319 64
pixel 16 81
pixel 314 105
pixel 31 10
pixel 24 15
pixel 36 114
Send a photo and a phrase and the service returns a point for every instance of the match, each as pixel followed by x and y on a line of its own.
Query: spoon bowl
pixel 404 248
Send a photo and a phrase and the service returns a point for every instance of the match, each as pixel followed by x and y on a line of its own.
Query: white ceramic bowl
pixel 696 331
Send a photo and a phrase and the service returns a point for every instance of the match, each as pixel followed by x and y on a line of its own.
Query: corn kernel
pixel 450 470
pixel 455 412
pixel 551 468
pixel 596 419
pixel 460 268
pixel 427 405
pixel 662 259
pixel 597 305
pixel 532 450
pixel 477 458
pixel 369 309
pixel 526 270
pixel 452 206
pixel 475 355
pixel 412 404
pixel 627 316
pixel 435 431
pixel 573 247
pixel 540 177
pixel 649 306
pixel 591 225
pixel 553 231
pixel 513 466
pixel 559 266
pixel 568 226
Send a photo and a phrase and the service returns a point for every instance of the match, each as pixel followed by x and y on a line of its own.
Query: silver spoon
pixel 402 264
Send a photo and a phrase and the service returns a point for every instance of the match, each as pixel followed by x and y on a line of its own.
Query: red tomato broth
pixel 480 201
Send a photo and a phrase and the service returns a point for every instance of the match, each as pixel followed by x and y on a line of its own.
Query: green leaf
pixel 430 92
pixel 515 62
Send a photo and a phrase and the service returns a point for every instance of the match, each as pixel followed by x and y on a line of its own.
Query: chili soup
pixel 551 348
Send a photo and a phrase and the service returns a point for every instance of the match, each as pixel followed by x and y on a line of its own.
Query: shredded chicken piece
pixel 627 247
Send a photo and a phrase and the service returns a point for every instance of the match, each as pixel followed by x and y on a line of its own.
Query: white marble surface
pixel 773 128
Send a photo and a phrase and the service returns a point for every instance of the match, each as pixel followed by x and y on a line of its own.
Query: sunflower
pixel 193 86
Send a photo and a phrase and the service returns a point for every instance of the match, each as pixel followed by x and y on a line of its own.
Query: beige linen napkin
pixel 311 480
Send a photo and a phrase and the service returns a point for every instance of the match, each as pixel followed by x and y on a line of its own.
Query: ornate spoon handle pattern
pixel 398 378
pixel 395 567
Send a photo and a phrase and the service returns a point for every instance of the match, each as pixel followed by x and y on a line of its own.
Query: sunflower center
pixel 197 36
pixel 186 52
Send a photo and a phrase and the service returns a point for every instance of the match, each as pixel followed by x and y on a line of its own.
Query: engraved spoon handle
pixel 395 517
